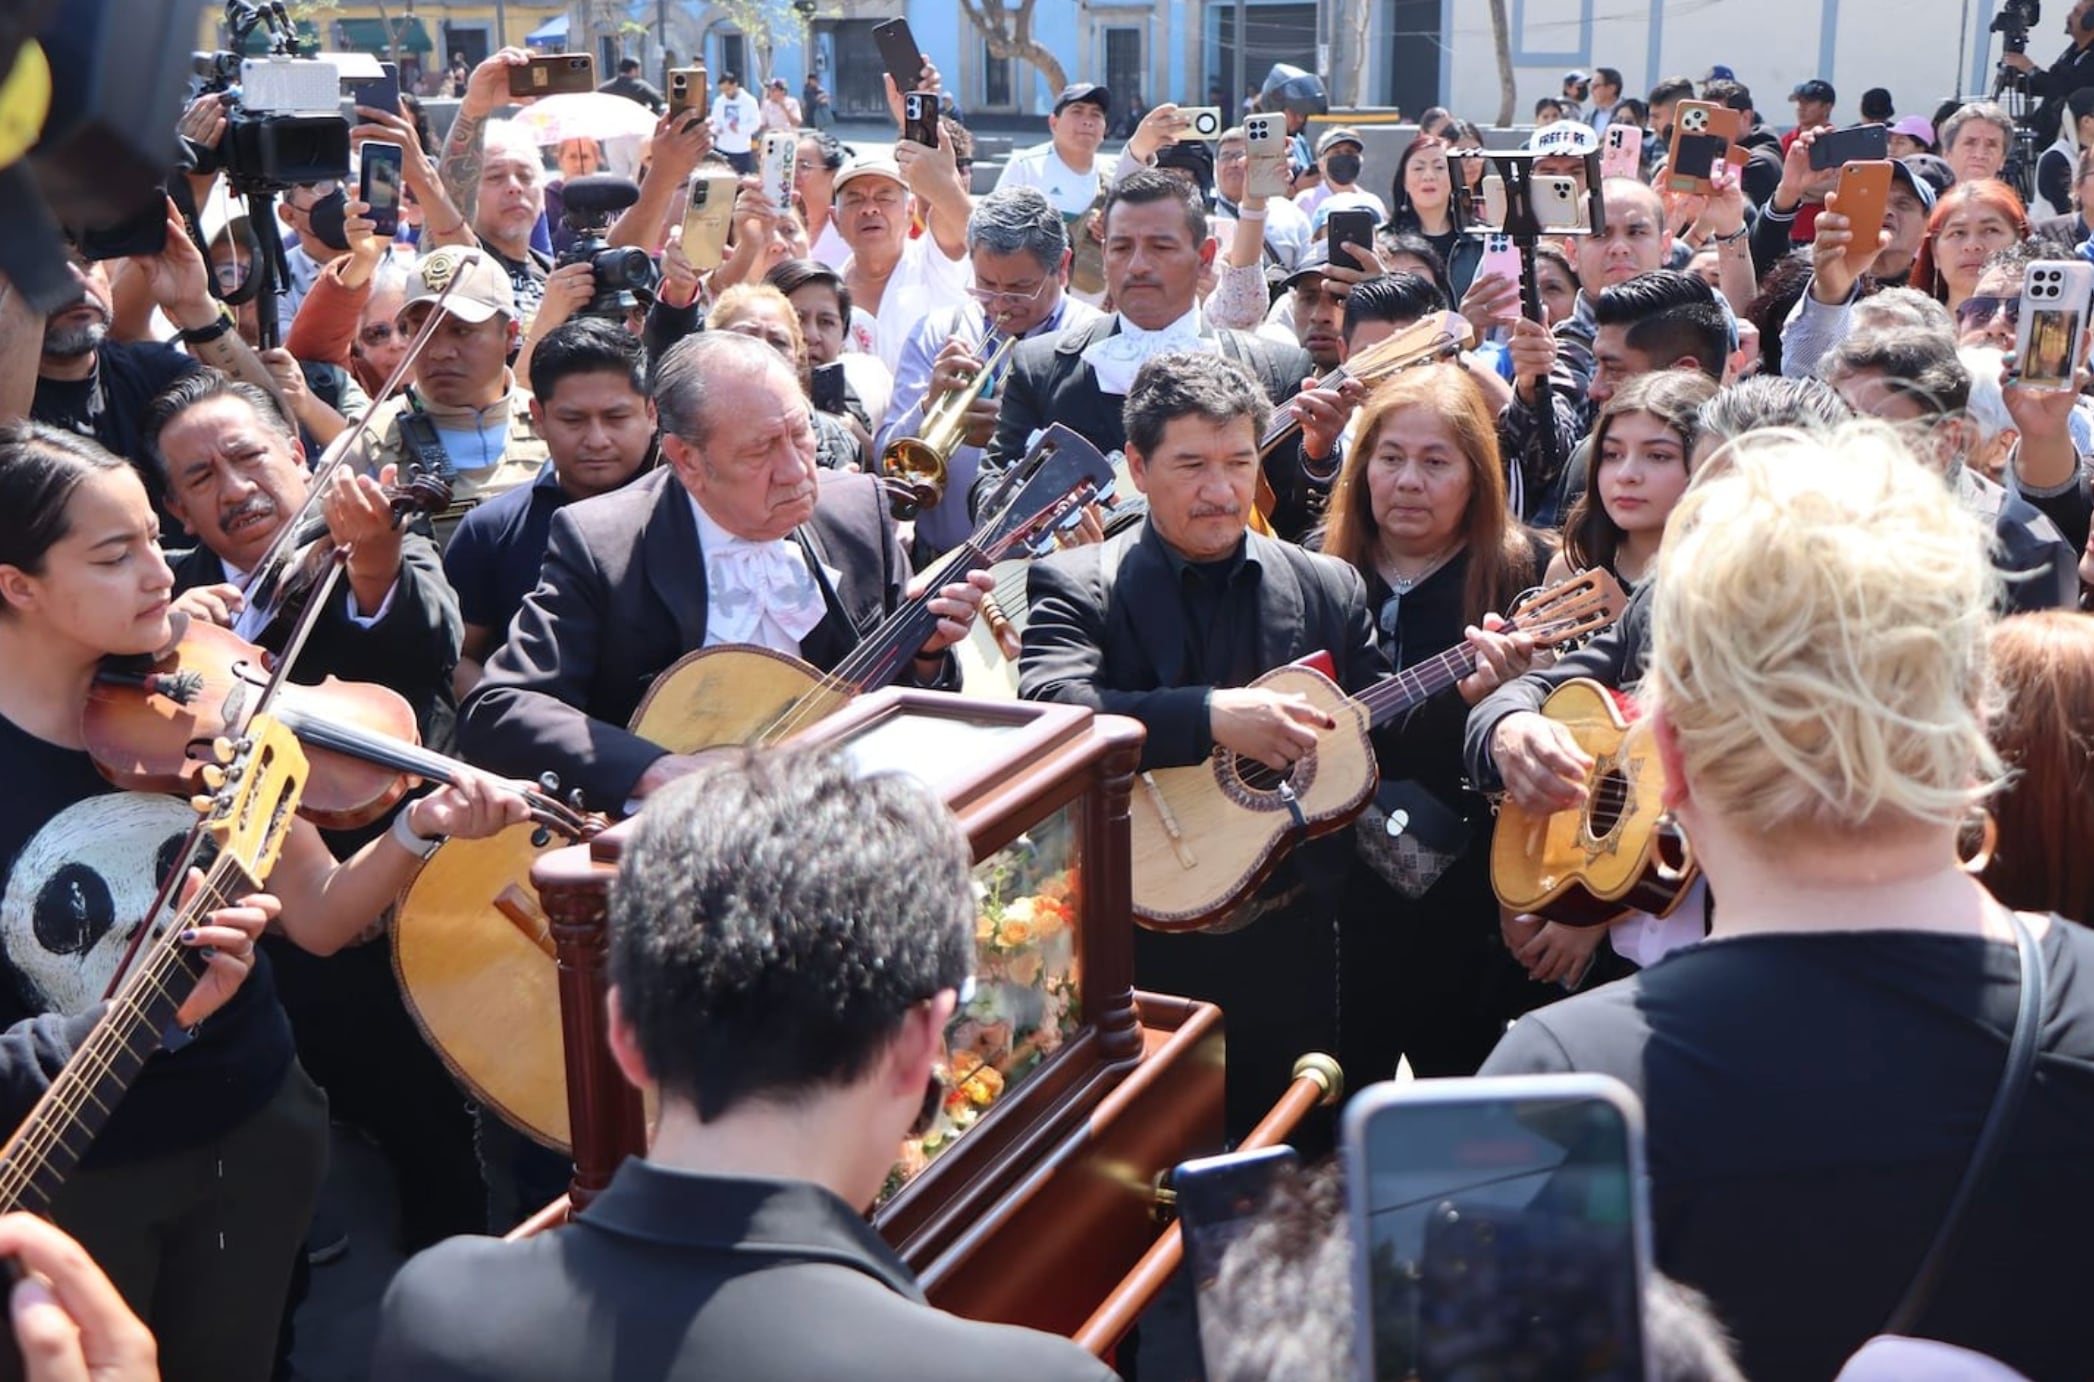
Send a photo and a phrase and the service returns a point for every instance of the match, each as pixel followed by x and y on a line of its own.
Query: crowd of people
pixel 1854 541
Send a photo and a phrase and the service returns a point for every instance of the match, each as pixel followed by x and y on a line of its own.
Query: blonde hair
pixel 1819 630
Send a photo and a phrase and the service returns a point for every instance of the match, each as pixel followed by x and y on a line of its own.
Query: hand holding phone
pixel 1351 226
pixel 553 75
pixel 708 219
pixel 1857 144
pixel 920 118
pixel 1265 140
pixel 379 189
pixel 2050 342
pixel 1703 135
pixel 688 91
pixel 1621 151
pixel 899 53
pixel 1863 195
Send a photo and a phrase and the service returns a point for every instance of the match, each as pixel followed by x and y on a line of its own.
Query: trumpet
pixel 914 468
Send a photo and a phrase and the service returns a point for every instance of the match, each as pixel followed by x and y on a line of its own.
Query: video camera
pixel 284 123
pixel 625 275
pixel 2014 20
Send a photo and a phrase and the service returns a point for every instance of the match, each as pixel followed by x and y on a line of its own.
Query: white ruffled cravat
pixel 756 592
pixel 1117 358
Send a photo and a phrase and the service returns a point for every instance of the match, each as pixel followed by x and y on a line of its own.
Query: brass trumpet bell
pixel 914 468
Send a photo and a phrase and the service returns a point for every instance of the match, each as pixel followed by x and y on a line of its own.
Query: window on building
pixel 1123 66
pixel 996 79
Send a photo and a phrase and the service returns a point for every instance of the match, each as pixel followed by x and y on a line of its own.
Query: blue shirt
pixel 494 558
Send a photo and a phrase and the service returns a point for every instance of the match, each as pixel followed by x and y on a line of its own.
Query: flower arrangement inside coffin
pixel 1026 1000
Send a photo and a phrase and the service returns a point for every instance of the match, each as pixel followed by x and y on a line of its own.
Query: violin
pixel 152 728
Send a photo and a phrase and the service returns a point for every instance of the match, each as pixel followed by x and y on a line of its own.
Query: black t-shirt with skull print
pixel 83 861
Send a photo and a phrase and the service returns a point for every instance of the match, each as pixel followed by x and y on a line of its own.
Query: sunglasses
pixel 1979 311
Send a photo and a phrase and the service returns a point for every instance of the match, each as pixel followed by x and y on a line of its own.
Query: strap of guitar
pixel 2006 1102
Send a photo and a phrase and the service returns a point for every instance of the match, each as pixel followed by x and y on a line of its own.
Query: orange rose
pixel 1014 933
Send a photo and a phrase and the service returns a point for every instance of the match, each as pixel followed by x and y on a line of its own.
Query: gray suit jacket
pixel 621 597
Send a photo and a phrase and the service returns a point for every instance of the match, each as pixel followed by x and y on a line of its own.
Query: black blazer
pixel 412 649
pixel 1048 382
pixel 621 597
pixel 675 1277
pixel 1107 630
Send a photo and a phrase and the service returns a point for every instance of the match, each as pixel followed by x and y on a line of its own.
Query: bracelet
pixel 204 335
pixel 1731 239
pixel 419 846
pixel 1244 213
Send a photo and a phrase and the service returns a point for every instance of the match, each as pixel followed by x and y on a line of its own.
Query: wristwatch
pixel 204 335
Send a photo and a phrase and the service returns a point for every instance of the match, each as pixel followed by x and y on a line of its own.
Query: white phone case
pixel 776 167
pixel 2050 342
pixel 1265 139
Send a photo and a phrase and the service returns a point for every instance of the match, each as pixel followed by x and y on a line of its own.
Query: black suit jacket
pixel 675 1277
pixel 412 649
pixel 1108 631
pixel 1049 382
pixel 621 597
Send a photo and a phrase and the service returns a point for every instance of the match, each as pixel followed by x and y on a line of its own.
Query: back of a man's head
pixel 1668 316
pixel 775 917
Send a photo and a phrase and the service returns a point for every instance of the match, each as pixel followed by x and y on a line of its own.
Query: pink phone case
pixel 1621 153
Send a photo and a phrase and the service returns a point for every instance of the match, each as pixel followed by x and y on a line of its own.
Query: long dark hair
pixel 2044 860
pixel 792 275
pixel 1674 397
pixel 1404 216
pixel 40 467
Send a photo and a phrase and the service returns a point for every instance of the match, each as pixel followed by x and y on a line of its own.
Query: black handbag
pixel 1409 837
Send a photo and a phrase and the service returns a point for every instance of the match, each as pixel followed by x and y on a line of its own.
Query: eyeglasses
pixel 1979 311
pixel 377 333
pixel 1009 301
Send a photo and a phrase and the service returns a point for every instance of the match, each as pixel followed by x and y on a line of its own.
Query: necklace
pixel 1403 585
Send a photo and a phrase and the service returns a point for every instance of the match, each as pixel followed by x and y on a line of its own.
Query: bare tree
pixel 1508 90
pixel 1007 29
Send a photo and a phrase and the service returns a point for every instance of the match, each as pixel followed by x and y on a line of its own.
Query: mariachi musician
pixel 738 539
pixel 1020 252
pixel 1156 248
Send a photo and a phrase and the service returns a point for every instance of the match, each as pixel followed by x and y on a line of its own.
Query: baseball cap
pixel 1089 92
pixel 1573 137
pixel 1929 176
pixel 1340 135
pixel 871 168
pixel 1574 75
pixel 1876 104
pixel 1816 89
pixel 1312 264
pixel 1915 127
pixel 1719 73
pixel 482 285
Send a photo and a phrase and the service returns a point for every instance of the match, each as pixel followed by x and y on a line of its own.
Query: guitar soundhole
pixel 1609 803
pixel 1255 787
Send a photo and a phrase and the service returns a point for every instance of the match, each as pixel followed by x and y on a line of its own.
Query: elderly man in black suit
pixel 1156 247
pixel 234 475
pixel 791 1055
pixel 738 539
pixel 1166 622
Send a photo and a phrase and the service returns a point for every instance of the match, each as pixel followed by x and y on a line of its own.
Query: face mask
pixel 326 216
pixel 1342 168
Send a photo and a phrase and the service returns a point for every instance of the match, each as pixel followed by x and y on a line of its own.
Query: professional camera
pixel 2015 19
pixel 625 275
pixel 284 121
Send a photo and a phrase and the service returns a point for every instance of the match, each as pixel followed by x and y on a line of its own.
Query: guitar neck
pixel 76 1106
pixel 894 641
pixel 1413 686
pixel 1285 424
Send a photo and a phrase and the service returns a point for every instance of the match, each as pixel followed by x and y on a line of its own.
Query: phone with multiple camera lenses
pixel 554 74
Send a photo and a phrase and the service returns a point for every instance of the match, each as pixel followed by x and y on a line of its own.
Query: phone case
pixel 1852 145
pixel 1557 205
pixel 1493 199
pixel 688 90
pixel 379 186
pixel 706 223
pixel 1702 133
pixel 1349 227
pixel 2050 344
pixel 1621 155
pixel 920 118
pixel 1862 194
pixel 379 93
pixel 779 147
pixel 899 53
pixel 1500 257
pixel 554 75
pixel 1202 122
pixel 1265 137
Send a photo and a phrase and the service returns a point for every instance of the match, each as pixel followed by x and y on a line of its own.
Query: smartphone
pixel 1500 1227
pixel 1862 195
pixel 1350 226
pixel 1559 203
pixel 553 75
pixel 1703 135
pixel 688 90
pixel 780 147
pixel 899 53
pixel 1265 138
pixel 920 118
pixel 379 93
pixel 380 189
pixel 1493 199
pixel 1202 122
pixel 1856 144
pixel 1219 1197
pixel 825 387
pixel 1621 152
pixel 2050 344
pixel 708 218
pixel 1501 257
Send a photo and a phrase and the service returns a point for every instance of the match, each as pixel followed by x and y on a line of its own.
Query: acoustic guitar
pixel 250 799
pixel 1619 851
pixel 485 991
pixel 989 671
pixel 1206 835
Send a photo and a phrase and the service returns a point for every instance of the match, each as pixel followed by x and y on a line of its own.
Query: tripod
pixel 2011 90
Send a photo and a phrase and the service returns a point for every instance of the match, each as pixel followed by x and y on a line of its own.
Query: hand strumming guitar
pixel 1276 728
pixel 1543 768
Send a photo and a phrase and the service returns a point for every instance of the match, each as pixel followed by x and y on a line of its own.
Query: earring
pixel 1987 831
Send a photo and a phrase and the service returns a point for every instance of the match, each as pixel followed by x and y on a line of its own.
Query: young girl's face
pixel 1643 472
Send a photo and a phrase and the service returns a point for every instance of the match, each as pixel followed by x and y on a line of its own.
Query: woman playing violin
pixel 1420 509
pixel 196 1195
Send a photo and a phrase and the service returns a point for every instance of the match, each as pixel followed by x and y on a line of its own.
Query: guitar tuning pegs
pixel 223 749
pixel 549 783
pixel 203 804
pixel 244 744
pixel 213 776
pixel 541 837
pixel 574 799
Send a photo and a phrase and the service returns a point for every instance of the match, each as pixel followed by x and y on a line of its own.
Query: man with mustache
pixel 738 538
pixel 463 415
pixel 1156 246
pixel 1167 622
pixel 236 474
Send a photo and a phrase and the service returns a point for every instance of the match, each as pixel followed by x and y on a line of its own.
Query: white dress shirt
pixel 1117 358
pixel 757 592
